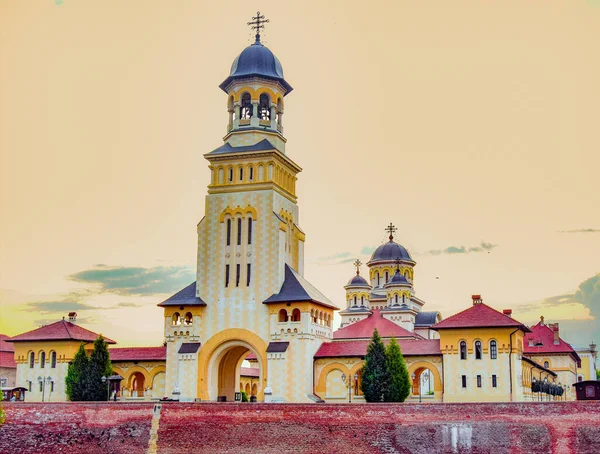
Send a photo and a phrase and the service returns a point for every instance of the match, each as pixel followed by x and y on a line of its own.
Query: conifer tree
pixel 375 375
pixel 99 366
pixel 76 376
pixel 399 384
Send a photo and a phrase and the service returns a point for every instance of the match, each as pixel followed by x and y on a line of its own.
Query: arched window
pixel 246 110
pixel 241 174
pixel 264 108
pixel 53 360
pixel 176 319
pixel 355 300
pixel 493 349
pixel 251 173
pixel 463 350
pixel 239 231
pixel 396 300
pixel 296 315
pixel 220 176
pixel 387 277
pixel 546 364
pixel 228 232
pixel 42 359
pixel 189 318
pixel 249 230
pixel 377 278
pixel 31 360
pixel 478 350
pixel 362 300
pixel 283 316
pixel 403 299
pixel 230 176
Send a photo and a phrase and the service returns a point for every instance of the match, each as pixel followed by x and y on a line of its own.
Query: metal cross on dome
pixel 391 230
pixel 257 24
pixel 357 264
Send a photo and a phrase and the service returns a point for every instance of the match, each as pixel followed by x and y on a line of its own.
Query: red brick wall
pixel 561 427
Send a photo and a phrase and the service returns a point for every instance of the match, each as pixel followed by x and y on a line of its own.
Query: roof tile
pixel 409 347
pixel 543 341
pixel 479 316
pixel 61 330
pixel 138 354
pixel 364 329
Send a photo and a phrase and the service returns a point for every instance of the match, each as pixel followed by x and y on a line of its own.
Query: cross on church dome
pixel 391 229
pixel 357 264
pixel 257 24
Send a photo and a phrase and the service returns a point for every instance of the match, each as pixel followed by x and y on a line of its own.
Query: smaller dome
pixel 390 251
pixel 397 279
pixel 358 280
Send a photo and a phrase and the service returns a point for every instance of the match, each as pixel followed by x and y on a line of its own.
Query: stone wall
pixel 561 427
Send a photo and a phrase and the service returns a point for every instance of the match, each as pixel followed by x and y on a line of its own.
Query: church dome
pixel 358 280
pixel 256 60
pixel 390 251
pixel 397 279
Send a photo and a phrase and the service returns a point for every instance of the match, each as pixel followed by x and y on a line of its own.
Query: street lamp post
pixel 414 376
pixel 349 385
pixel 546 384
pixel 42 381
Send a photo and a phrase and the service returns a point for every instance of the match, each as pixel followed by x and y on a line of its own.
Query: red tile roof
pixel 250 372
pixel 543 342
pixel 61 330
pixel 479 316
pixel 409 347
pixel 364 329
pixel 138 354
pixel 251 357
pixel 7 359
pixel 6 346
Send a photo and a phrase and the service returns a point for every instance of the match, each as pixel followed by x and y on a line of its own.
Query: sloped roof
pixel 277 347
pixel 542 336
pixel 409 347
pixel 479 316
pixel 189 347
pixel 7 359
pixel 426 318
pixel 250 372
pixel 226 148
pixel 138 354
pixel 184 297
pixel 364 329
pixel 296 288
pixel 6 346
pixel 61 330
pixel 251 357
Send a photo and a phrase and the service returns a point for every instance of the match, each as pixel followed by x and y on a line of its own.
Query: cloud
pixel 580 231
pixel 340 255
pixel 137 280
pixel 482 247
pixel 49 307
pixel 368 250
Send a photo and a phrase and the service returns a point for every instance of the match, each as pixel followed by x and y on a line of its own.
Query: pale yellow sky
pixel 460 122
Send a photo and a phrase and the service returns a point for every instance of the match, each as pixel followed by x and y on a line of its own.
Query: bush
pixel 244 396
pixel 374 373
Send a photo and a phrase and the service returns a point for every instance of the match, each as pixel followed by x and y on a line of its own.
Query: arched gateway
pixel 250 258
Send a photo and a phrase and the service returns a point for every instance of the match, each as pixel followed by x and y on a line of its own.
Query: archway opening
pixel 226 369
pixel 137 384
pixel 422 383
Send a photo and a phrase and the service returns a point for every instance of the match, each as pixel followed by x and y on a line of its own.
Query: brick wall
pixel 561 427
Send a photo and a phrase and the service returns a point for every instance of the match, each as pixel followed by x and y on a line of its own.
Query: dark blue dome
pixel 390 251
pixel 358 280
pixel 397 279
pixel 256 60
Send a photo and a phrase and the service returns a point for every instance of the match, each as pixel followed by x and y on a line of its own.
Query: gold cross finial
pixel 257 24
pixel 391 230
pixel 397 262
pixel 357 264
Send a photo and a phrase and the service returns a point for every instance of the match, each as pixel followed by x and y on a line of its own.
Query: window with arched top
pixel 377 278
pixel 546 364
pixel 239 231
pixel 396 299
pixel 220 176
pixel 463 350
pixel 264 107
pixel 403 299
pixel 230 175
pixel 249 230
pixel 355 299
pixel 246 107
pixel 31 360
pixel 478 351
pixel 188 319
pixel 53 360
pixel 283 316
pixel 296 315
pixel 251 173
pixel 362 300
pixel 241 174
pixel 42 359
pixel 176 319
pixel 228 233
pixel 493 349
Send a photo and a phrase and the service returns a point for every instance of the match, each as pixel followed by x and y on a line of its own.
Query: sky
pixel 472 126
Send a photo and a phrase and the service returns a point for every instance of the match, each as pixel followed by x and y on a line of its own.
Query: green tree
pixel 76 373
pixel 375 375
pixel 399 384
pixel 598 374
pixel 2 415
pixel 99 366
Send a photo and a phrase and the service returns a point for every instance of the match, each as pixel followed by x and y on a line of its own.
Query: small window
pixel 477 349
pixel 30 386
pixel 230 175
pixel 403 299
pixel 387 277
pixel 53 360
pixel 176 319
pixel 296 315
pixel 239 231
pixel 41 385
pixel 226 275
pixel 283 316
pixel 355 299
pixel 251 174
pixel 396 301
pixel 464 381
pixel 189 319
pixel 493 350
pixel 52 386
pixel 463 350
pixel 248 274
pixel 479 381
pixel 237 275
pixel 43 359
pixel 362 300
pixel 546 364
pixel 31 360
pixel 228 232
pixel 249 230
pixel 241 174
pixel 494 381
pixel 377 277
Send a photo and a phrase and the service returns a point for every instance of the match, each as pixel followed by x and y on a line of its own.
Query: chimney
pixel 476 299
pixel 555 330
pixel 72 317
pixel 507 312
